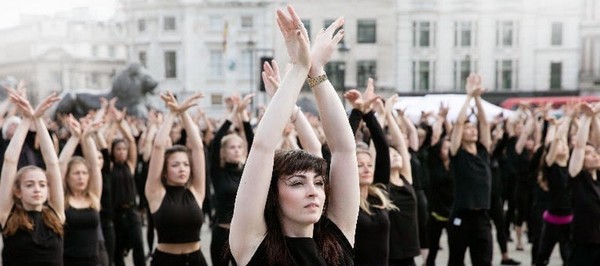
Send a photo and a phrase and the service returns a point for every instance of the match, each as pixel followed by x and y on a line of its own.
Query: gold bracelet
pixel 317 80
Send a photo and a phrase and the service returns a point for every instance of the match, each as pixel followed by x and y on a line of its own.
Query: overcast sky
pixel 11 9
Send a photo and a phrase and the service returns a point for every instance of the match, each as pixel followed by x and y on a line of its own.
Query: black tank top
pixel 404 233
pixel 179 218
pixel 371 241
pixel 42 246
pixel 81 236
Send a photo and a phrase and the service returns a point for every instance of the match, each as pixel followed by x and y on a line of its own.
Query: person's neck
pixel 364 191
pixel 77 194
pixel 446 163
pixel 469 146
pixel 562 161
pixel 28 207
pixel 395 177
pixel 297 230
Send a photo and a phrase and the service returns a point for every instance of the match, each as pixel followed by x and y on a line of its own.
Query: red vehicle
pixel 512 103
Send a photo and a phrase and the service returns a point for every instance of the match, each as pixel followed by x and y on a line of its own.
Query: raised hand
pixel 571 108
pixel 45 105
pixel 586 109
pixel 244 102
pixel 355 98
pixel 190 102
pixel 325 43
pixel 473 86
pixel 271 78
pixel 390 102
pixel 295 36
pixel 369 95
pixel 443 110
pixel 74 126
pixel 21 102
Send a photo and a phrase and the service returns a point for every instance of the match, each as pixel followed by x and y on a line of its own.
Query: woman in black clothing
pixel 372 242
pixel 176 188
pixel 469 148
pixel 83 187
pixel 227 157
pixel 404 233
pixel 127 220
pixel 31 199
pixel 584 166
pixel 282 214
pixel 559 215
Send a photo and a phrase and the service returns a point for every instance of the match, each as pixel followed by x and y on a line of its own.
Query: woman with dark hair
pixel 286 212
pixel 127 220
pixel 557 218
pixel 83 188
pixel 584 166
pixel 31 200
pixel 176 188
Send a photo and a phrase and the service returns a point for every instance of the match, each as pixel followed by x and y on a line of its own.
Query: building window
pixel 111 52
pixel 328 22
pixel 557 32
pixel 506 74
pixel 170 64
pixel 364 71
pixel 506 33
pixel 336 73
pixel 95 78
pixel 169 23
pixel 215 23
pixel 216 99
pixel 464 34
pixel 141 24
pixel 94 50
pixel 247 22
pixel 216 63
pixel 142 58
pixel 306 23
pixel 367 31
pixel 423 34
pixel 462 70
pixel 555 76
pixel 245 62
pixel 423 77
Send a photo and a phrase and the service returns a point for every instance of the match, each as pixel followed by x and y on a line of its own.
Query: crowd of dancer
pixel 368 188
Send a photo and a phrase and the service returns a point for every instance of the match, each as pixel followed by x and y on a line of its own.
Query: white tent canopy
pixel 413 106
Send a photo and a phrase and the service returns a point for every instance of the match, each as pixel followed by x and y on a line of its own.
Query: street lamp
pixel 343 48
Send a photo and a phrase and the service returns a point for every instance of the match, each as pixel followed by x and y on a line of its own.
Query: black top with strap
pixel 81 233
pixel 304 251
pixel 42 246
pixel 404 228
pixel 586 208
pixel 179 218
pixel 123 186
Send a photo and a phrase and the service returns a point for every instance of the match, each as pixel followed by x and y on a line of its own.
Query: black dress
pixel 42 246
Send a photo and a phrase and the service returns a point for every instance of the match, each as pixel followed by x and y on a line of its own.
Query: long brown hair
pixel 91 198
pixel 288 163
pixel 19 219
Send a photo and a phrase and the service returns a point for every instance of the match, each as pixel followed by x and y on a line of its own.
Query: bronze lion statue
pixel 130 86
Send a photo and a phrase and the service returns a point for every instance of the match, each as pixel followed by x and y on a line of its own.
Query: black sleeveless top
pixel 404 233
pixel 586 209
pixel 304 251
pixel 123 186
pixel 179 218
pixel 371 241
pixel 42 246
pixel 81 236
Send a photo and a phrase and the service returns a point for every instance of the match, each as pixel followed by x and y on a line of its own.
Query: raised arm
pixel 67 152
pixel 485 135
pixel 398 139
pixel 440 122
pixel 154 188
pixel 382 149
pixel 9 169
pixel 577 156
pixel 125 129
pixel 248 225
pixel 194 142
pixel 55 183
pixel 90 153
pixel 525 133
pixel 560 134
pixel 344 199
